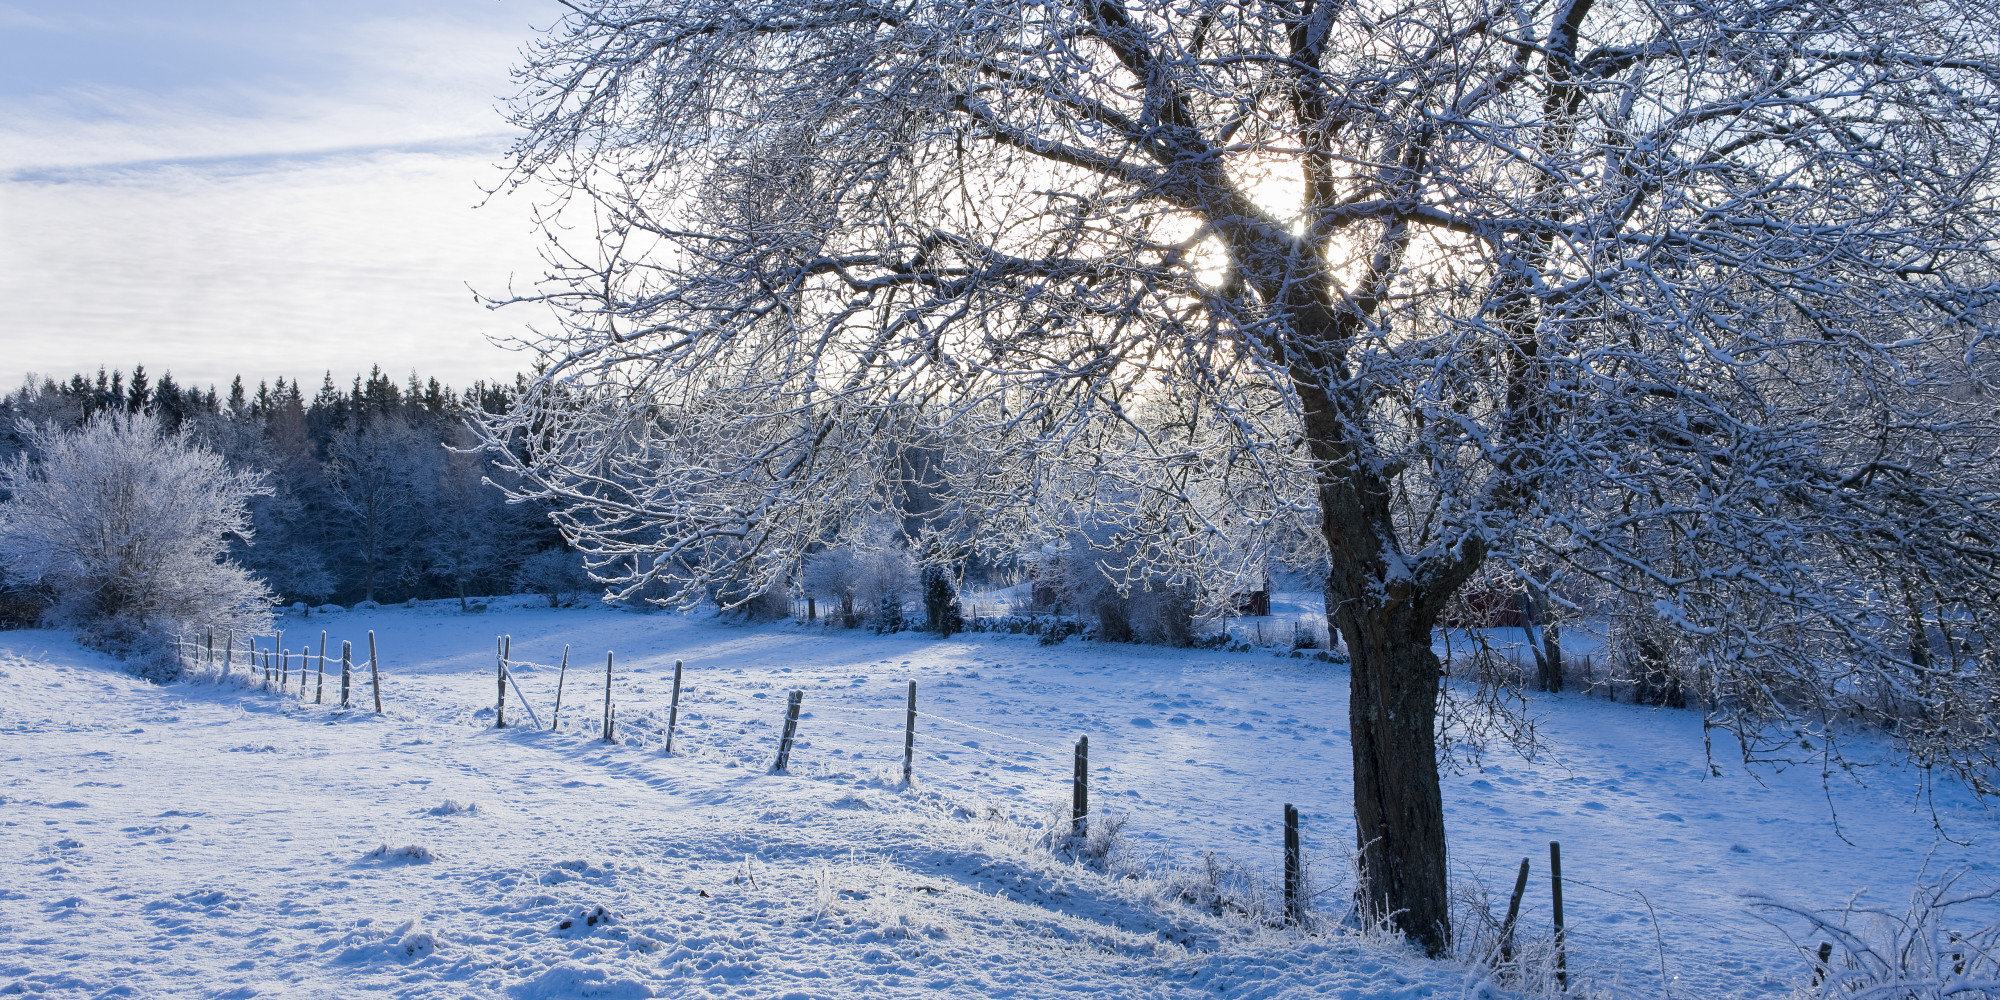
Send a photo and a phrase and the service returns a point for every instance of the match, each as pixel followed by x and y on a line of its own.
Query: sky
pixel 264 187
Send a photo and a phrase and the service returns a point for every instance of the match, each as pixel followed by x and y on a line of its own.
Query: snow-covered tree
pixel 856 580
pixel 1691 299
pixel 555 574
pixel 373 482
pixel 130 525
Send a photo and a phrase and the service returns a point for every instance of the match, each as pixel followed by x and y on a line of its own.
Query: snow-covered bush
pixel 556 574
pixel 1155 610
pixel 861 580
pixel 128 525
pixel 888 615
pixel 943 613
pixel 1921 951
pixel 768 605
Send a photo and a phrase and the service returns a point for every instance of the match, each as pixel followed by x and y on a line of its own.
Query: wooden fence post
pixel 791 730
pixel 211 648
pixel 674 709
pixel 560 674
pixel 277 641
pixel 346 670
pixel 610 735
pixel 374 672
pixel 910 734
pixel 1513 913
pixel 1295 903
pixel 284 671
pixel 319 691
pixel 1556 896
pixel 500 682
pixel 228 653
pixel 1079 792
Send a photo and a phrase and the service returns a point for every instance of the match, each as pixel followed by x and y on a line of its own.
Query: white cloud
pixel 334 265
pixel 270 187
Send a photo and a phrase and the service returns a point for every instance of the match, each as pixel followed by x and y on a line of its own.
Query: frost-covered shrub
pixel 861 580
pixel 942 612
pixel 1045 625
pixel 1164 615
pixel 1158 611
pixel 128 526
pixel 889 615
pixel 768 605
pixel 22 604
pixel 1927 949
pixel 555 574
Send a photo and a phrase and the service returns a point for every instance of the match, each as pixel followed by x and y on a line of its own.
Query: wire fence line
pixel 699 703
pixel 274 664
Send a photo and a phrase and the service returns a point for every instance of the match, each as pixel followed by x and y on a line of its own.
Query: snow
pixel 219 840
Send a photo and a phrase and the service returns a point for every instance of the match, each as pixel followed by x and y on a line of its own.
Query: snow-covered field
pixel 205 840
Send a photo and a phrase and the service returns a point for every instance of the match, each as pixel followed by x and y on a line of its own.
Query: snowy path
pixel 1199 750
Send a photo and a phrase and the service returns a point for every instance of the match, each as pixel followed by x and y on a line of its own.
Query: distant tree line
pixel 370 500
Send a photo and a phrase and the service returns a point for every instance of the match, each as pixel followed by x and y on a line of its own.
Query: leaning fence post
pixel 346 670
pixel 674 708
pixel 556 720
pixel 374 672
pixel 526 705
pixel 1556 896
pixel 791 730
pixel 1295 903
pixel 610 735
pixel 1513 913
pixel 1079 792
pixel 319 691
pixel 910 734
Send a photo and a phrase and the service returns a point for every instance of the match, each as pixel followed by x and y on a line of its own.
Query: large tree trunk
pixel 1552 658
pixel 1398 807
pixel 1536 610
pixel 1384 603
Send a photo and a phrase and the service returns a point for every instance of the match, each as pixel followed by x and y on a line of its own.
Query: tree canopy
pixel 1685 306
